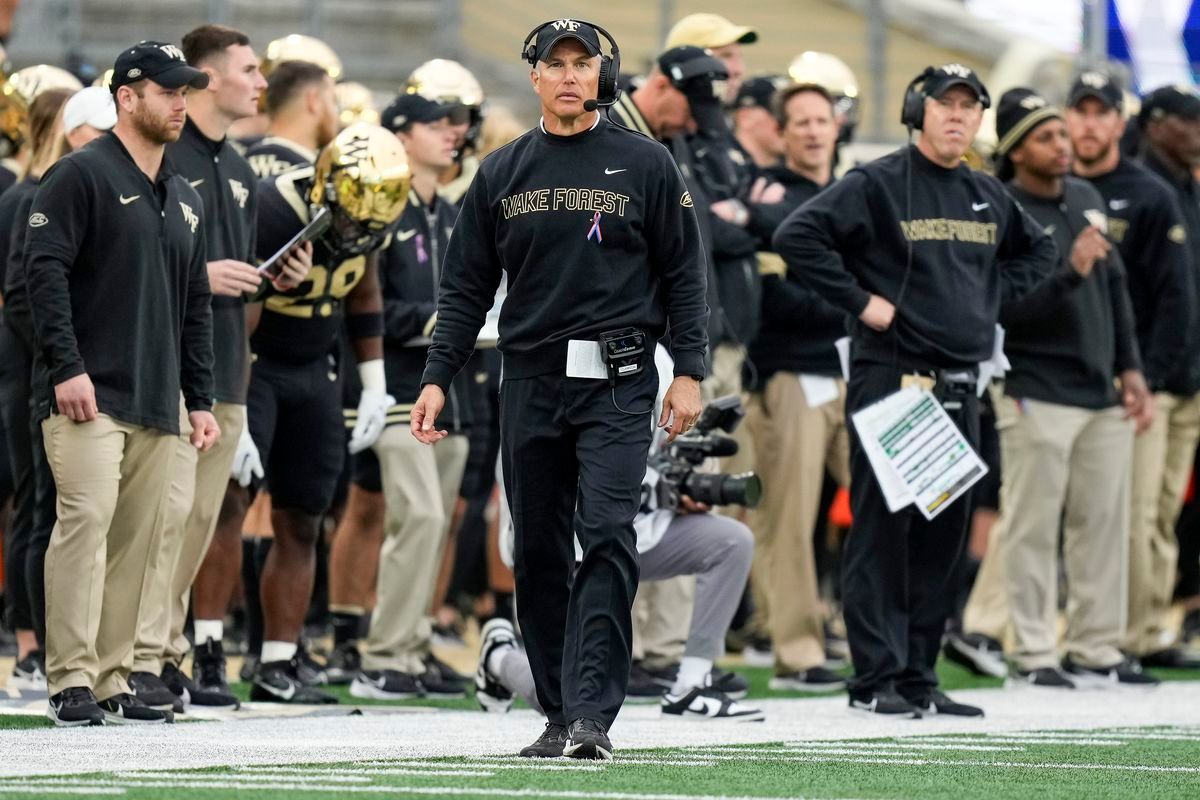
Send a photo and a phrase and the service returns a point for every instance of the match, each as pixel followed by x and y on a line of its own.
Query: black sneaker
pixel 1171 658
pixel 887 702
pixel 276 682
pixel 759 652
pixel 642 687
pixel 436 685
pixel 445 671
pixel 178 682
pixel 150 689
pixel 447 636
pixel 74 708
pixel 29 674
pixel 981 654
pixel 707 704
pixel 731 684
pixel 1126 675
pixel 491 695
pixel 817 679
pixel 249 667
pixel 937 703
pixel 210 686
pixel 587 739
pixel 549 745
pixel 126 709
pixel 307 669
pixel 1042 678
pixel 344 663
pixel 385 684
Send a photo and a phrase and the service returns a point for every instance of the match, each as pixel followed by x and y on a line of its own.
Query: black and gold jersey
pixel 301 324
pixel 274 155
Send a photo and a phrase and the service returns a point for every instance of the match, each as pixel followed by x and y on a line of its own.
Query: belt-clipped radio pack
pixel 621 351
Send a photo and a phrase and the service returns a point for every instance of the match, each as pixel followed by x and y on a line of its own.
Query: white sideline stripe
pixel 937 762
pixel 427 766
pixel 290 774
pixel 881 746
pixel 25 788
pixel 256 778
pixel 1167 737
pixel 1023 740
pixel 675 760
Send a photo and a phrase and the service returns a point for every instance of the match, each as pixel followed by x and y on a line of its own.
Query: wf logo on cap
pixel 1096 80
pixel 566 24
pixel 957 70
pixel 1032 102
pixel 173 51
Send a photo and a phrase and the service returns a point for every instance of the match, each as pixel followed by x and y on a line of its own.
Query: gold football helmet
pixel 355 104
pixel 445 81
pixel 364 178
pixel 830 72
pixel 104 79
pixel 18 92
pixel 298 47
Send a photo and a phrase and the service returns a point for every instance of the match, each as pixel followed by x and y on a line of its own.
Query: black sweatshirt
pixel 410 269
pixel 14 210
pixel 972 249
pixel 1185 380
pixel 1070 351
pixel 227 186
pixel 596 231
pixel 118 284
pixel 1145 223
pixel 798 327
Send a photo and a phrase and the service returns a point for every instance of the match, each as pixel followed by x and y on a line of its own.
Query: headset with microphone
pixel 610 65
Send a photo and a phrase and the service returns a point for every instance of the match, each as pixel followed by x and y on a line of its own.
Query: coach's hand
pixel 247 463
pixel 879 314
pixel 294 268
pixel 1137 399
pixel 682 401
pixel 76 398
pixel 205 430
pixel 230 278
pixel 425 414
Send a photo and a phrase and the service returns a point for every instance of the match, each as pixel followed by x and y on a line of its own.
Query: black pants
pixel 573 462
pixel 898 570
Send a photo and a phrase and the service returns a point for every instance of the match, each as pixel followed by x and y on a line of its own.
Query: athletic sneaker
pixel 344 663
pixel 492 696
pixel 126 709
pixel 150 689
pixel 642 686
pixel 730 683
pixel 75 707
pixel 276 682
pixel 887 702
pixel 447 636
pixel 210 687
pixel 1170 658
pixel 1041 678
pixel 1123 675
pixel 937 703
pixel 587 739
pixel 385 684
pixel 707 704
pixel 549 745
pixel 758 652
pixel 444 670
pixel 29 674
pixel 306 668
pixel 249 667
pixel 178 682
pixel 981 654
pixel 817 679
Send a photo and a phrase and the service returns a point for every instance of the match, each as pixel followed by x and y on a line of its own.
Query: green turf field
pixel 1159 763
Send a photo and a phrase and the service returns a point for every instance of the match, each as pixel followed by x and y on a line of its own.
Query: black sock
pixel 345 627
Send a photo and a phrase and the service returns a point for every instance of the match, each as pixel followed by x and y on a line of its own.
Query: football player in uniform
pixel 303 111
pixel 449 82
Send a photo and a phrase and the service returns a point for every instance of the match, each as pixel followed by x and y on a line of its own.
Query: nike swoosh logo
pixel 127 200
pixel 979 206
pixel 1117 205
pixel 282 694
pixel 404 236
pixel 1049 230
pixel 196 183
pixel 608 171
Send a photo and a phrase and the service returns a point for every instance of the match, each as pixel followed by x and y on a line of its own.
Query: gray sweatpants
pixel 717 550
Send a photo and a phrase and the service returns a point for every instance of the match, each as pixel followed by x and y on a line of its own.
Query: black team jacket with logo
pixel 118 282
pixel 798 326
pixel 14 211
pixel 410 269
pixel 596 232
pixel 227 186
pixel 1185 380
pixel 1070 351
pixel 274 155
pixel 972 249
pixel 1145 223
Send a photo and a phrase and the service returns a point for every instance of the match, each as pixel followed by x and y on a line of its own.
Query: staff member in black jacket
pixel 1146 225
pixel 922 251
pixel 123 323
pixel 596 232
pixel 1065 433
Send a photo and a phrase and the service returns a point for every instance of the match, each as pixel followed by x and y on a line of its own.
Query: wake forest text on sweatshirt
pixel 596 232
pixel 972 249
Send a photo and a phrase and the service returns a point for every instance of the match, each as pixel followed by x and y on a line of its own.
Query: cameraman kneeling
pixel 672 541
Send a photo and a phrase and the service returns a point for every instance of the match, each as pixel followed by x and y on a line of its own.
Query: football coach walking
pixel 921 250
pixel 595 228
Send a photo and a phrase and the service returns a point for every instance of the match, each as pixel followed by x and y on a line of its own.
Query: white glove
pixel 373 406
pixel 246 461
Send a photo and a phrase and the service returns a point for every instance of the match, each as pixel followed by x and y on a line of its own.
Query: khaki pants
pixel 1073 464
pixel 112 480
pixel 795 444
pixel 662 618
pixel 198 484
pixel 1162 459
pixel 420 486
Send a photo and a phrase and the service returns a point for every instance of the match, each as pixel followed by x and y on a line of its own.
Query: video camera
pixel 676 464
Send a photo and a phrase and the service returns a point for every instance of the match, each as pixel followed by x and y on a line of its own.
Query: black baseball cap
pixel 701 77
pixel 156 61
pixel 941 79
pixel 554 32
pixel 1177 101
pixel 408 108
pixel 759 91
pixel 1098 85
